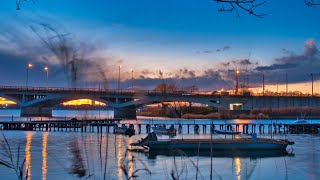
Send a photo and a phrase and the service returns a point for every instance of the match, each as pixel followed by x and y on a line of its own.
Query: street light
pixel 46 69
pixel 119 78
pixel 28 67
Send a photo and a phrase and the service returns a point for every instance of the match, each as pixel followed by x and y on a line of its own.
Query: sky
pixel 190 42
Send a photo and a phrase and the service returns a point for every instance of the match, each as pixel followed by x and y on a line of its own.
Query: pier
pixel 196 128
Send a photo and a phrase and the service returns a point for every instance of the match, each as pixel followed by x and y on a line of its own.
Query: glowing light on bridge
pixel 4 101
pixel 80 102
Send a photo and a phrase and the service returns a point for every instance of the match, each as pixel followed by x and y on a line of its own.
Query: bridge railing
pixel 133 91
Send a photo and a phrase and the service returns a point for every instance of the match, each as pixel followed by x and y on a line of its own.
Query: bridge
pixel 39 101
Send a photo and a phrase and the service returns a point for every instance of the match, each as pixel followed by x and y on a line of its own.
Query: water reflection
pixel 44 155
pixel 28 154
pixel 119 157
pixel 232 154
pixel 130 156
pixel 237 166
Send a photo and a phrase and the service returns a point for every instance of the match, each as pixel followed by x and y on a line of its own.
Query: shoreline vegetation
pixel 222 113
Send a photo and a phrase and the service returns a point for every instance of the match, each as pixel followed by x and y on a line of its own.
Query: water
pixel 51 155
pixel 9 114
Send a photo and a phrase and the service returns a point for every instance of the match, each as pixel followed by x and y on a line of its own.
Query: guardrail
pixel 149 92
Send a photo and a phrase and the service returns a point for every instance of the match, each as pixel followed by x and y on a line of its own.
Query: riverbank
pixel 221 113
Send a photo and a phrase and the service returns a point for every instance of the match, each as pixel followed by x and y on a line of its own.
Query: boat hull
pixel 218 153
pixel 238 145
pixel 129 132
pixel 227 132
pixel 164 131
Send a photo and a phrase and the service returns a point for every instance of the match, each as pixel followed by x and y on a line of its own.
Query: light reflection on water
pixel 55 161
pixel 44 155
pixel 119 156
pixel 48 156
pixel 237 166
pixel 28 154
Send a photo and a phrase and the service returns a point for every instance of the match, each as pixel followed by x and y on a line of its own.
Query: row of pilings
pixel 109 126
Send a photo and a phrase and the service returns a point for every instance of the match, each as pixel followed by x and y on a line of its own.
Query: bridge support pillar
pixel 36 111
pixel 125 112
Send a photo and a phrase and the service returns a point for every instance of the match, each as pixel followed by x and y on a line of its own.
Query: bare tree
pixel 61 47
pixel 248 6
pixel 311 3
pixel 245 5
pixel 18 3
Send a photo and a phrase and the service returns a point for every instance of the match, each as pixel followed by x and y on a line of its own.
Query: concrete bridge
pixel 38 101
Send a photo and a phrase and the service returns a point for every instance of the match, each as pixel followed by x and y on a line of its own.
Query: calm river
pixel 68 155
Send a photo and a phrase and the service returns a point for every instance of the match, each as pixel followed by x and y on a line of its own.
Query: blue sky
pixel 167 35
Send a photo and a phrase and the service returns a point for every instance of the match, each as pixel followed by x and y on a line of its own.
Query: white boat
pixel 301 120
pixel 161 129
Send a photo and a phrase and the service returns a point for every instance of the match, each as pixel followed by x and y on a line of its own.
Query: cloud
pixel 184 73
pixel 207 51
pixel 276 67
pixel 223 48
pixel 310 48
pixel 298 67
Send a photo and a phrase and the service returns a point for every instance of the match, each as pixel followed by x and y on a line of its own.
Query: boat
pixel 235 144
pixel 216 153
pixel 226 132
pixel 125 130
pixel 301 120
pixel 161 129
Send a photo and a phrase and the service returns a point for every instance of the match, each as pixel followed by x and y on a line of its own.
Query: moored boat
pixel 240 144
pixel 125 130
pixel 226 132
pixel 161 129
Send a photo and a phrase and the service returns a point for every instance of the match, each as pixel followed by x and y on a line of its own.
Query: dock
pixel 204 128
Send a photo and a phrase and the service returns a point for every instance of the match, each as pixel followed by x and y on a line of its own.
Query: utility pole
pixel 263 84
pixel 312 78
pixel 286 83
pixel 237 81
pixel 119 78
pixel 312 84
pixel 131 79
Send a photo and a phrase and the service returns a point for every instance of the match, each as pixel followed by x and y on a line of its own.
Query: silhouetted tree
pixel 248 6
pixel 312 3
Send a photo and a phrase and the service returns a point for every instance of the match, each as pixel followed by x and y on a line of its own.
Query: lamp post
pixel 46 69
pixel 28 67
pixel 131 79
pixel 119 78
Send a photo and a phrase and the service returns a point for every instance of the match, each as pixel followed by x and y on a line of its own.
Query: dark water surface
pixel 56 155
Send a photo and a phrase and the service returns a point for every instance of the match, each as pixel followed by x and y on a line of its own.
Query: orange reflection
pixel 44 155
pixel 119 157
pixel 28 154
pixel 79 102
pixel 237 164
pixel 130 156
